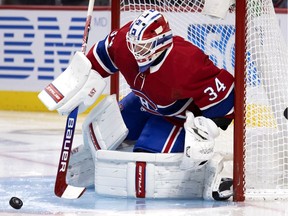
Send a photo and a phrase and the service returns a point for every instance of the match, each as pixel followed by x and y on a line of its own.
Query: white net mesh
pixel 267 97
pixel 266 136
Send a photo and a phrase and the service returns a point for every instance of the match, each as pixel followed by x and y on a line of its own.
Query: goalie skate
pixel 224 191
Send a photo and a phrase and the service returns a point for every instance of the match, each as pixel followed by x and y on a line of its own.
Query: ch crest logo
pixel 146 102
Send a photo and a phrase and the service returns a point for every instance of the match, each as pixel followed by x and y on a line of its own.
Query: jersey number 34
pixel 212 92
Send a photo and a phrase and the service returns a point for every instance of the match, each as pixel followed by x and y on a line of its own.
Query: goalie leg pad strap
pixel 145 175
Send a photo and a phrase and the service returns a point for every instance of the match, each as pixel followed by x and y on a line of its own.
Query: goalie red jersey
pixel 170 79
pixel 181 78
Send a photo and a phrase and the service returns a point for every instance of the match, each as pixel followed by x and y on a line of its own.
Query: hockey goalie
pixel 158 141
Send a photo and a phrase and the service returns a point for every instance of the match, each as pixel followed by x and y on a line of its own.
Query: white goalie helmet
pixel 149 35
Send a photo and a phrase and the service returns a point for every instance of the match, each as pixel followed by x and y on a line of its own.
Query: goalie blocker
pixel 141 175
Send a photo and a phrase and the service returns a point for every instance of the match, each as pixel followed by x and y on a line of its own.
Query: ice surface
pixel 30 145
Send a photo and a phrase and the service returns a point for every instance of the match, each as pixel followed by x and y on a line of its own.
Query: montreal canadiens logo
pixel 146 103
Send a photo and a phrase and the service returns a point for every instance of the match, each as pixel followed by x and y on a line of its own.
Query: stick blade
pixel 69 192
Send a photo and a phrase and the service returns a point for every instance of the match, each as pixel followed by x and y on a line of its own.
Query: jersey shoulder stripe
pixel 102 55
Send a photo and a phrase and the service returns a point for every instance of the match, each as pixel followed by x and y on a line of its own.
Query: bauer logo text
pixel 67 145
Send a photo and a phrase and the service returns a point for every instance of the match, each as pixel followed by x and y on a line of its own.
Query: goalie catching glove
pixel 78 86
pixel 200 133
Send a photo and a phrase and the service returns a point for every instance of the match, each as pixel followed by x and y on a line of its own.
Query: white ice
pixel 30 145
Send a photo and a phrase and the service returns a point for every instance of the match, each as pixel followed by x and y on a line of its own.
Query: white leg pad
pixel 103 128
pixel 80 172
pixel 146 175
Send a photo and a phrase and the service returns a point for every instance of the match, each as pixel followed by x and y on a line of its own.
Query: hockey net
pixel 265 136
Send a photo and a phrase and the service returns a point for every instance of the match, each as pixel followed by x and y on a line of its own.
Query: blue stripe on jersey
pixel 172 109
pixel 175 107
pixel 104 55
pixel 221 109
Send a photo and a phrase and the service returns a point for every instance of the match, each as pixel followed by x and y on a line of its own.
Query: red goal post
pixel 248 43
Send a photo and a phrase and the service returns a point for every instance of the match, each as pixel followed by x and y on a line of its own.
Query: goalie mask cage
pixel 248 43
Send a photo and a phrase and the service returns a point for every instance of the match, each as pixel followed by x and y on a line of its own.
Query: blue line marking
pixel 49 19
pixel 52 35
pixel 13 19
pixel 77 28
pixel 16 27
pixel 5 76
pixel 8 59
pixel 49 61
pixel 11 43
pixel 29 60
pixel 29 35
pixel 42 27
pixel 66 53
pixel 40 77
pixel 50 44
pixel 64 61
pixel 17 52
pixel 16 68
pixel 49 52
pixel 8 35
pixel 45 69
pixel 70 36
pixel 78 19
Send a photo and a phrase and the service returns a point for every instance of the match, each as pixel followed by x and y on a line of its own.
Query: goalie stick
pixel 62 189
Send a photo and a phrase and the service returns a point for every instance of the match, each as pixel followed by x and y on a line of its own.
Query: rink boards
pixel 37 45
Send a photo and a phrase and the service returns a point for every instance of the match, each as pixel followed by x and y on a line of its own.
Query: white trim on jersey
pixel 170 141
pixel 154 69
pixel 213 104
pixel 99 59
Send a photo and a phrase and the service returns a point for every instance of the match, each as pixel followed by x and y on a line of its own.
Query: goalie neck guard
pixel 148 36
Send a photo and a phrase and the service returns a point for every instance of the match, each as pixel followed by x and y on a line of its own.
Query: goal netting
pixel 265 90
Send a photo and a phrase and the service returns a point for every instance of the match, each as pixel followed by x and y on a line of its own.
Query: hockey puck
pixel 286 113
pixel 16 203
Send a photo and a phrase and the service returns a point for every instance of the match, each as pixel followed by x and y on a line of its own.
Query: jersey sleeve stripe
pixel 221 109
pixel 102 56
pixel 231 89
pixel 176 108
